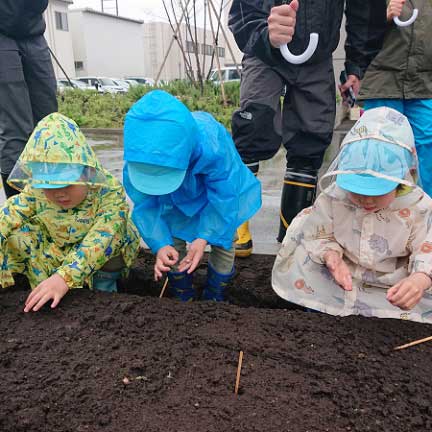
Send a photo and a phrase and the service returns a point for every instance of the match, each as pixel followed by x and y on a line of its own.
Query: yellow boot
pixel 243 246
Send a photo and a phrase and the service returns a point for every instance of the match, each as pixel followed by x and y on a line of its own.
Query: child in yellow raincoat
pixel 70 224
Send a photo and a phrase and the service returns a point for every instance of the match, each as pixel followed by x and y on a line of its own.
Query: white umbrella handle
pixel 408 22
pixel 301 58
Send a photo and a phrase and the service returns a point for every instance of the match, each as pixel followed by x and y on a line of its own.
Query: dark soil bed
pixel 126 362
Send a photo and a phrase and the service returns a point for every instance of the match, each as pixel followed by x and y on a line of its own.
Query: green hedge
pixel 93 110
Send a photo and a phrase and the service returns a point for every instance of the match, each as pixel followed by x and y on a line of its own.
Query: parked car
pixel 122 83
pixel 142 80
pixel 229 74
pixel 64 84
pixel 102 84
pixel 132 82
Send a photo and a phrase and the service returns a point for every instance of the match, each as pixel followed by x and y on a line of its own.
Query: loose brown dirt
pixel 126 362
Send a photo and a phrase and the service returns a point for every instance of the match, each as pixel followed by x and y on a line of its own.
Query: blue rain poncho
pixel 218 192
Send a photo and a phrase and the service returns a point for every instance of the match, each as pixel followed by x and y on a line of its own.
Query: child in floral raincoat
pixel 70 224
pixel 365 247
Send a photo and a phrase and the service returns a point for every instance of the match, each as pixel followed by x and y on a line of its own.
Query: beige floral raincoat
pixel 380 249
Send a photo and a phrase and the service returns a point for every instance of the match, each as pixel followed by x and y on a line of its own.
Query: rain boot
pixel 244 245
pixel 216 284
pixel 9 191
pixel 106 281
pixel 298 193
pixel 180 286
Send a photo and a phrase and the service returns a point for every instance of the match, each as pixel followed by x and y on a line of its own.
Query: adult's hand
pixel 394 9
pixel 166 257
pixel 281 23
pixel 353 82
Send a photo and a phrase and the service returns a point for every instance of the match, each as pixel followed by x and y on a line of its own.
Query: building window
pixel 61 20
pixel 221 51
pixel 79 65
pixel 191 47
pixel 206 49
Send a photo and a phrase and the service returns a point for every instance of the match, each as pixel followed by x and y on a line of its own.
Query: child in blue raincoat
pixel 188 184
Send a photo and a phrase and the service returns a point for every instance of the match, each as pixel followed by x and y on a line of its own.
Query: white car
pixel 64 84
pixel 141 80
pixel 102 84
pixel 122 83
pixel 229 74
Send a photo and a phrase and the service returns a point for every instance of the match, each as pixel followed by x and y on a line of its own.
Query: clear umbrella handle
pixel 304 57
pixel 408 22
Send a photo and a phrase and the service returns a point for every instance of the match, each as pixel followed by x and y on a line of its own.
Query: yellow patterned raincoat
pixel 39 238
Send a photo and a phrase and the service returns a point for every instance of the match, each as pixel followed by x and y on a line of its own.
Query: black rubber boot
pixel 298 192
pixel 9 191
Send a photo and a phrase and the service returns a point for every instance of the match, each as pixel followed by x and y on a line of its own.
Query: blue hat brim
pixel 49 186
pixel 44 174
pixel 155 179
pixel 365 184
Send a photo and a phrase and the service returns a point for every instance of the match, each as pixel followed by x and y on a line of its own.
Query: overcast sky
pixel 147 10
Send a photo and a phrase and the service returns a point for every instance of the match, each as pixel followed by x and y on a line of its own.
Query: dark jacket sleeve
pixel 365 26
pixel 248 23
pixel 22 18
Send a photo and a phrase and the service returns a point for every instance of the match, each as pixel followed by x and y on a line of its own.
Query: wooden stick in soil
pixel 237 384
pixel 416 342
pixel 163 288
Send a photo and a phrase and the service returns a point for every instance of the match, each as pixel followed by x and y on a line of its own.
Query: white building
pixel 106 44
pixel 59 37
pixel 238 55
pixel 158 37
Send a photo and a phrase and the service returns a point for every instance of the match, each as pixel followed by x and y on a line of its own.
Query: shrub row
pixel 94 110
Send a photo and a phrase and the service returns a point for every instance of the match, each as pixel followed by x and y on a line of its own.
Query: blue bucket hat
pixel 160 135
pixel 377 154
pixel 48 175
pixel 154 179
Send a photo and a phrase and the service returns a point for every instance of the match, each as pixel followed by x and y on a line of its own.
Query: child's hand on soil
pixel 409 291
pixel 54 288
pixel 394 9
pixel 281 23
pixel 339 270
pixel 166 257
pixel 194 255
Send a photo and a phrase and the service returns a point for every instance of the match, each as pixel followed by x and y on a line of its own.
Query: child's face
pixel 67 197
pixel 372 203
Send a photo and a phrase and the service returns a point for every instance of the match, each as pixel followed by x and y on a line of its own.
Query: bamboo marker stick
pixel 416 342
pixel 163 288
pixel 240 361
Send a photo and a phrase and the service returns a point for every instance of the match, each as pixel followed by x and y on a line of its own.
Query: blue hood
pixel 159 117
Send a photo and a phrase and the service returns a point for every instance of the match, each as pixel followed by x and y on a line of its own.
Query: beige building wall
pixel 238 55
pixel 59 37
pixel 106 45
pixel 158 41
